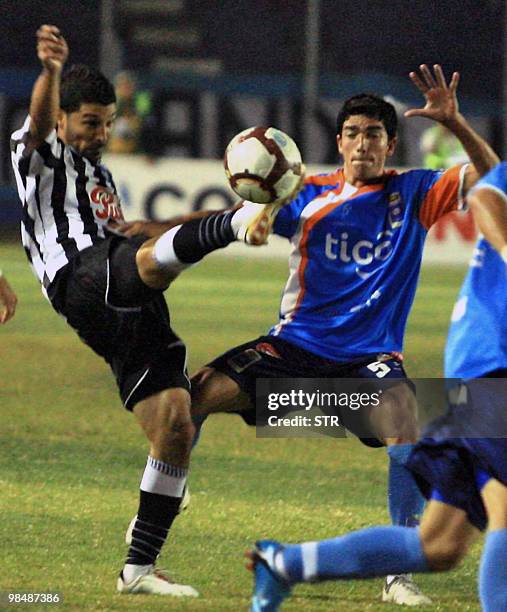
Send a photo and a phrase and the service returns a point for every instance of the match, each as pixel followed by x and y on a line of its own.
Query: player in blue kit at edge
pixel 465 478
pixel 357 237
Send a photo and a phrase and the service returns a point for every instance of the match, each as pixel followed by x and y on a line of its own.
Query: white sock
pixel 164 255
pixel 163 478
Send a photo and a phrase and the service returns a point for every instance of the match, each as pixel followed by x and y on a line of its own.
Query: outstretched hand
pixel 52 50
pixel 8 301
pixel 441 100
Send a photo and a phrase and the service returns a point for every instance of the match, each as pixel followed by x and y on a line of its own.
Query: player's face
pixel 365 146
pixel 87 130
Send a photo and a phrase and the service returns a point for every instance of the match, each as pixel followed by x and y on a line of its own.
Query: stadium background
pixel 215 67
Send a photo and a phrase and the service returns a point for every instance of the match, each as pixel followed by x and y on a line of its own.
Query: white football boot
pixel 185 501
pixel 155 582
pixel 402 590
pixel 253 222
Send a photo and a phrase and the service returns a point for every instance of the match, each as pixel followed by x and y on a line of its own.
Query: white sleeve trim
pixel 462 203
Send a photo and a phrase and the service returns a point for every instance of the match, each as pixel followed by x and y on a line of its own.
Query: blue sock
pixel 376 551
pixel 198 422
pixel 406 502
pixel 493 572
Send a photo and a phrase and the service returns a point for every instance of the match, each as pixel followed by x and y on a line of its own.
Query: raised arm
pixel 52 52
pixel 442 106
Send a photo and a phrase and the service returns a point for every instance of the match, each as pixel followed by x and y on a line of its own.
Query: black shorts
pixel 272 357
pixel 102 297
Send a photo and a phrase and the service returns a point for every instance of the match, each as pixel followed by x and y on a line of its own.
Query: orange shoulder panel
pixel 442 197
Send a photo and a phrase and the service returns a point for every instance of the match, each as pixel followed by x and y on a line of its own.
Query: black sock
pixel 198 237
pixel 154 519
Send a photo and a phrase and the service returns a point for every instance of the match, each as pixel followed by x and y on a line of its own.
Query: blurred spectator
pixel 133 116
pixel 441 149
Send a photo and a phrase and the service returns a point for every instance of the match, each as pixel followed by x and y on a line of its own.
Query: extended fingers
pixel 429 80
pixel 454 81
pixel 416 80
pixel 439 74
pixel 428 77
pixel 425 82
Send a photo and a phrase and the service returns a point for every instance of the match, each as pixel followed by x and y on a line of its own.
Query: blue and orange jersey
pixel 477 340
pixel 356 255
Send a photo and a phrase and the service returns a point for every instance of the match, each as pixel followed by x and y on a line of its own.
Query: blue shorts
pixel 455 469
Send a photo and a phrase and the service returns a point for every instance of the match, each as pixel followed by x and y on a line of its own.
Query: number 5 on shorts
pixel 379 368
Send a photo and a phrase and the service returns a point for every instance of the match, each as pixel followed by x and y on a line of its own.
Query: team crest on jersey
pixel 107 204
pixel 395 210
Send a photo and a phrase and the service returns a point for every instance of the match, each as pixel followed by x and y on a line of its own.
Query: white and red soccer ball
pixel 264 165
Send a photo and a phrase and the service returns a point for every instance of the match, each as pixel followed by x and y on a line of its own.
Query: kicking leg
pixel 160 260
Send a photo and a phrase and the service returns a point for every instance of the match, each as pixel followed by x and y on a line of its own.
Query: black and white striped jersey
pixel 67 201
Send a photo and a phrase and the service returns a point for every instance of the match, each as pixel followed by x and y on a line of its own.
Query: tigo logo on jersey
pixel 108 204
pixel 365 252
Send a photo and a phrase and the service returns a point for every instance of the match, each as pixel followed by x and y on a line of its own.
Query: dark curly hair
pixel 81 84
pixel 372 106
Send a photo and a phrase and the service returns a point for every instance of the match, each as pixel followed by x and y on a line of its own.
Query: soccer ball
pixel 264 165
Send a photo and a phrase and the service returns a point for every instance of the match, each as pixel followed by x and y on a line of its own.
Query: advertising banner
pixel 167 187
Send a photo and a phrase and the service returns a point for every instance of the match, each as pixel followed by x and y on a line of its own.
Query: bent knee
pixel 175 418
pixel 444 556
pixel 150 272
pixel 166 414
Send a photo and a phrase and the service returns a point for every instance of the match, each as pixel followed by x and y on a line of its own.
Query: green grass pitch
pixel 71 457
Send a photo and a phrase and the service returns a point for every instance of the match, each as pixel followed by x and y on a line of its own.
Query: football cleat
pixel 270 589
pixel 155 582
pixel 256 222
pixel 185 501
pixel 402 590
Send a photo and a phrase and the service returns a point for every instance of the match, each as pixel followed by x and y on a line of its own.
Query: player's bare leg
pixel 165 419
pixel 394 421
pixel 214 391
pixel 493 571
pixel 446 535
